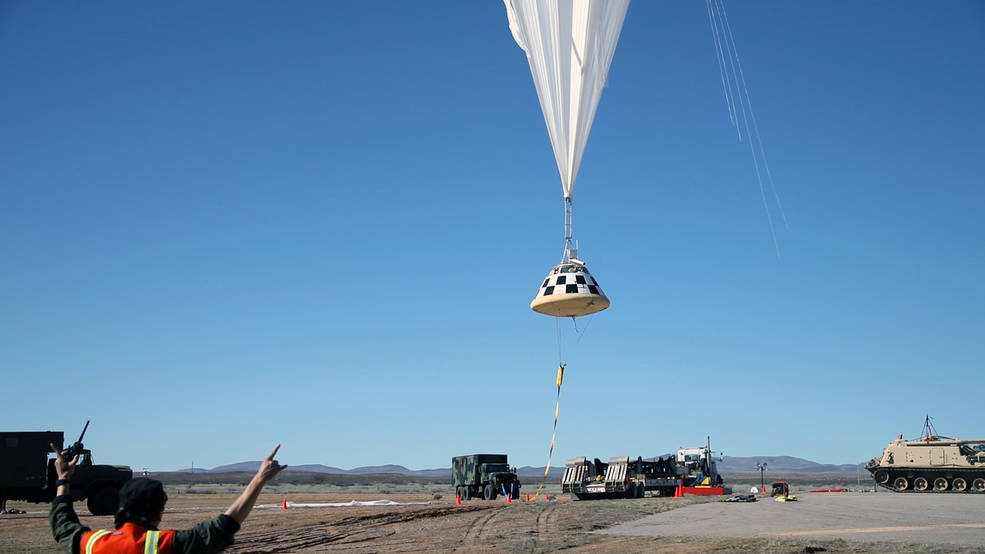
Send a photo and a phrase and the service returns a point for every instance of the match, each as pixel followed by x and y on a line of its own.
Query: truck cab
pixel 699 466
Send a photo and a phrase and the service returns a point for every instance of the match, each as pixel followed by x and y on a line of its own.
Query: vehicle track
pixel 348 530
pixel 547 520
pixel 481 527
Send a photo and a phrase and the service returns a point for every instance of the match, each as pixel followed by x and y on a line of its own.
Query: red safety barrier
pixel 706 490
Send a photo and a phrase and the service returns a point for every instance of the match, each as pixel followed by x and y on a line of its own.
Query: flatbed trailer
pixel 619 478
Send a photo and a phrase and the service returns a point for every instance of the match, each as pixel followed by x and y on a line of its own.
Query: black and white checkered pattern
pixel 569 279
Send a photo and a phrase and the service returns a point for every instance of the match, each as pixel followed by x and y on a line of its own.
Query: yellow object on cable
pixel 557 410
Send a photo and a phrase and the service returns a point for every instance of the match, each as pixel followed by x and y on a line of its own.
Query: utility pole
pixel 762 482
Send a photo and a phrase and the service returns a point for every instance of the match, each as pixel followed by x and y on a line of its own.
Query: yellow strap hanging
pixel 550 453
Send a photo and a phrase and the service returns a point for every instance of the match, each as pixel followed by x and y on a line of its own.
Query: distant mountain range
pixel 731 464
pixel 780 464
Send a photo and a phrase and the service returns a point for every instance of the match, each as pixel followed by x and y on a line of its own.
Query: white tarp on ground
pixel 350 504
pixel 569 46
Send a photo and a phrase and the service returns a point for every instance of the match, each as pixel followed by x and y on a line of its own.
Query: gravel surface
pixel 934 519
pixel 541 526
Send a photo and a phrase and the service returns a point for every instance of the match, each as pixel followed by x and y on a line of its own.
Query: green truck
pixel 485 475
pixel 27 472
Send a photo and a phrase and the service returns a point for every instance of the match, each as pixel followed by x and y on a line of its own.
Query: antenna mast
pixel 929 432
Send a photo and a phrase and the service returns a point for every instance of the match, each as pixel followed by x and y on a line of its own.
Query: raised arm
pixel 269 468
pixel 65 526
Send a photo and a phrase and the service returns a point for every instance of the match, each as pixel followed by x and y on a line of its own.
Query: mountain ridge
pixel 730 464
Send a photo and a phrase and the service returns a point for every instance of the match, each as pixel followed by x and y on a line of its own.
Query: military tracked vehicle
pixel 27 472
pixel 931 463
pixel 485 475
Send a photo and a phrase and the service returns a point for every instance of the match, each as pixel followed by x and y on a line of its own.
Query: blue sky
pixel 229 225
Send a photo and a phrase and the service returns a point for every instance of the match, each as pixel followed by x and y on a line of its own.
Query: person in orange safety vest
pixel 142 503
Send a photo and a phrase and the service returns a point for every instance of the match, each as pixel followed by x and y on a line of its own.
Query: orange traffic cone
pixel 284 505
pixel 528 497
pixel 458 500
pixel 509 499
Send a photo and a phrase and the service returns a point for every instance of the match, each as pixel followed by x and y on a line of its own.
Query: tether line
pixel 557 410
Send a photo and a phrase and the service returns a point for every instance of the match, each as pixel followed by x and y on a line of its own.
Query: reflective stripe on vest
pixel 150 542
pixel 95 537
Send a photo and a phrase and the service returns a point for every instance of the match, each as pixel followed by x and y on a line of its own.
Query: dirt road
pixel 428 525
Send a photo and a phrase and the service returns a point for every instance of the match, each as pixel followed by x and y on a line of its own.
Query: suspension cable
pixel 741 114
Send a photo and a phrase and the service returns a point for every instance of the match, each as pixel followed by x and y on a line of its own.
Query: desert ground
pixel 426 520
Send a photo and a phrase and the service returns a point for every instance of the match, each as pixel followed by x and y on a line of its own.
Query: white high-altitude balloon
pixel 569 44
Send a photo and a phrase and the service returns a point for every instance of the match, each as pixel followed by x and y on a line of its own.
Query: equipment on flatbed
pixel 691 471
pixel 619 478
pixel 27 473
pixel 485 475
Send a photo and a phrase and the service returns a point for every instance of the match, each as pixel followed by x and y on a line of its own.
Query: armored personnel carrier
pixel 931 464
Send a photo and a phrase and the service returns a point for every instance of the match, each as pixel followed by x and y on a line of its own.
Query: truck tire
pixel 104 501
pixel 489 492
pixel 466 493
pixel 631 490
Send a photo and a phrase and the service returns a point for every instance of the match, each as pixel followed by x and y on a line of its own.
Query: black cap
pixel 143 497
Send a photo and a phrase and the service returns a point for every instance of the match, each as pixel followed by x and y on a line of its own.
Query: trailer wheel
pixel 489 492
pixel 104 502
pixel 631 490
